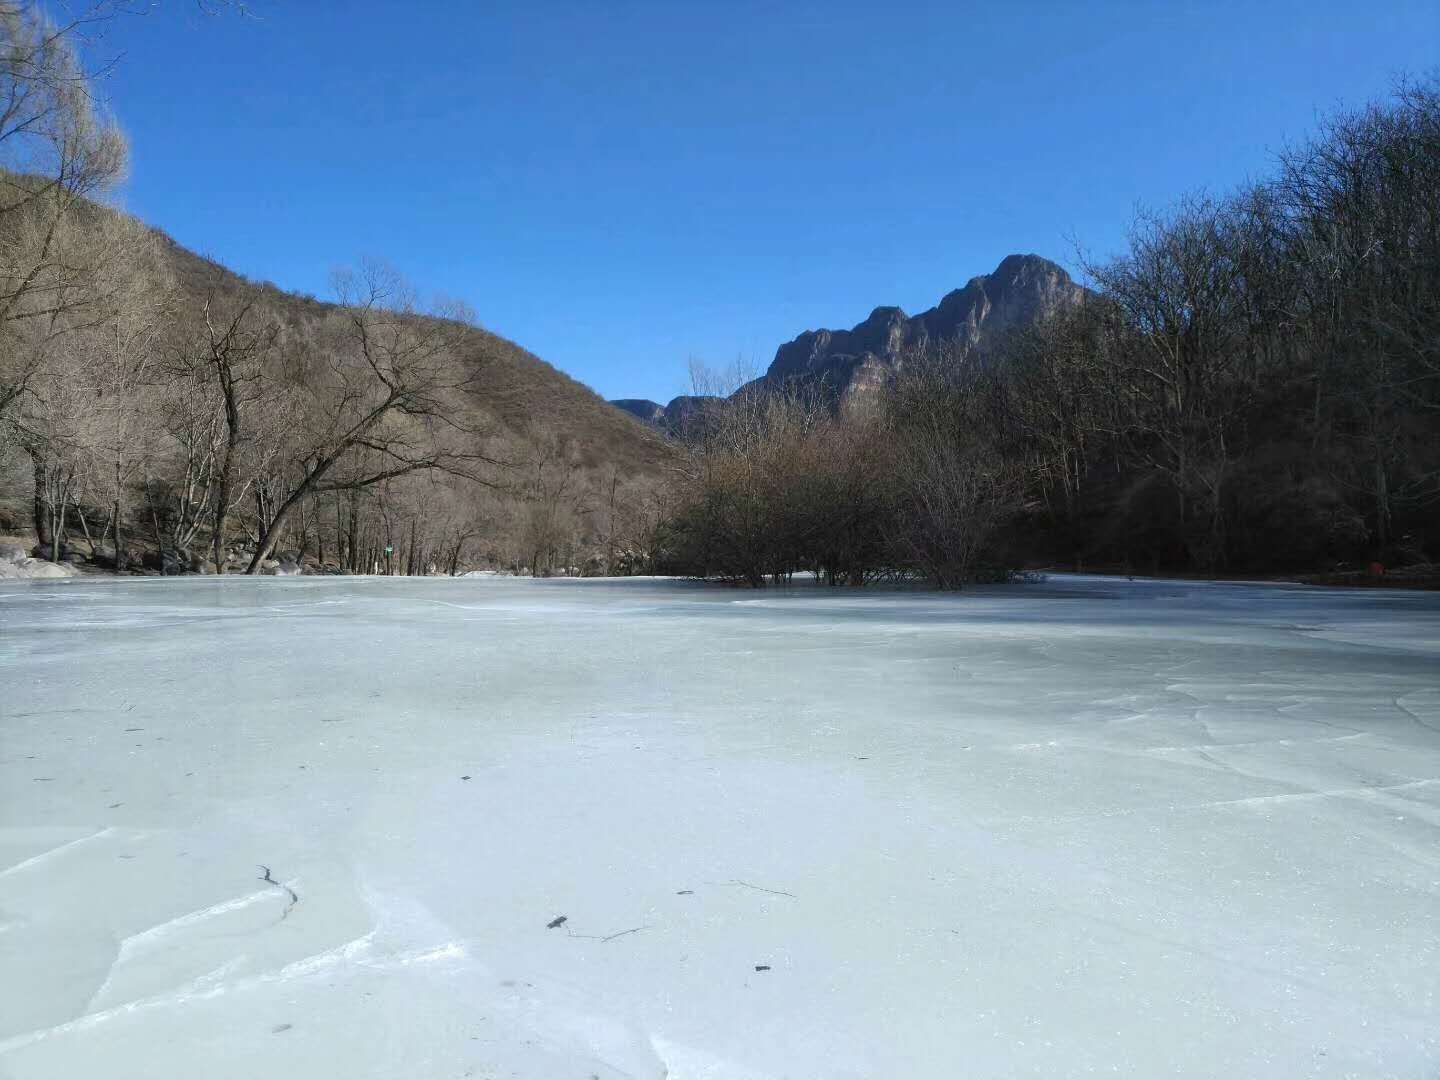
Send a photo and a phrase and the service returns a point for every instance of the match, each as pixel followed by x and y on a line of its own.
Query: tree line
pixel 1253 385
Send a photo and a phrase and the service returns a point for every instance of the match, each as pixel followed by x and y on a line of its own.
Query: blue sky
pixel 622 186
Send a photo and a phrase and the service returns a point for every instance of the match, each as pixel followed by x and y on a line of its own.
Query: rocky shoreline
pixel 20 559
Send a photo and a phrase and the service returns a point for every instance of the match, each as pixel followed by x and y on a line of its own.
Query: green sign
pixel 389 549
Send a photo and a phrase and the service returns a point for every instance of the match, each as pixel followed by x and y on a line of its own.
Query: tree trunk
pixel 57 540
pixel 1382 505
pixel 119 540
pixel 304 536
pixel 270 534
pixel 355 565
pixel 85 528
pixel 155 525
pixel 40 507
pixel 222 512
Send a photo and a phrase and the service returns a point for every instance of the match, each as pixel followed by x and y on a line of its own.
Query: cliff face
pixel 845 364
pixel 1022 290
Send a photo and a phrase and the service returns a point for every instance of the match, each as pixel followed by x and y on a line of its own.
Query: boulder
pixel 36 568
pixel 166 562
pixel 104 555
pixel 11 552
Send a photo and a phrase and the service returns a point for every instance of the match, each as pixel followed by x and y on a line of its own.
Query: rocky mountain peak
pixel 1022 290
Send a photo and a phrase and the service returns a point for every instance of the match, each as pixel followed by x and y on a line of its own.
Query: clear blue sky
pixel 620 186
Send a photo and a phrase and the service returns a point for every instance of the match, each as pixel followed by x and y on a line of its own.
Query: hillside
pixel 528 398
pixel 530 467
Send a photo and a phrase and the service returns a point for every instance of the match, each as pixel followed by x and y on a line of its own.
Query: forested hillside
pixel 158 410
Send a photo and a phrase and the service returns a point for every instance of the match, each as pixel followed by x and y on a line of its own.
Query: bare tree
pixel 57 150
pixel 226 416
pixel 380 401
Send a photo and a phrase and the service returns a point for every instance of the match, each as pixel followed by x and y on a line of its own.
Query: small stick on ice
pixel 560 921
pixel 622 933
pixel 294 898
pixel 761 888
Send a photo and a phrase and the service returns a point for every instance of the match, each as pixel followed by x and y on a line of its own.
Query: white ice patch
pixel 1081 827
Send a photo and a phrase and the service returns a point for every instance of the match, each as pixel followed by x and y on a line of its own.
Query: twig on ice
pixel 622 933
pixel 294 898
pixel 606 937
pixel 559 922
pixel 761 888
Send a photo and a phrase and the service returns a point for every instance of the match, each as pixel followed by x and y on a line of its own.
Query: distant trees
pixel 956 477
pixel 781 484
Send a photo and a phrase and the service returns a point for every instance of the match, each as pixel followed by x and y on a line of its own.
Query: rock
pixel 166 562
pixel 1022 290
pixel 104 555
pixel 36 568
pixel 11 552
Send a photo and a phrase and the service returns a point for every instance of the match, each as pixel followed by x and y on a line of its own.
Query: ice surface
pixel 1086 826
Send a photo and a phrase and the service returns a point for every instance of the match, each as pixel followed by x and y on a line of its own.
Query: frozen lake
pixel 1079 827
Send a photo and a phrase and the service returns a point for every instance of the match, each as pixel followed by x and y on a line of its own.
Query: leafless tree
pixel 379 401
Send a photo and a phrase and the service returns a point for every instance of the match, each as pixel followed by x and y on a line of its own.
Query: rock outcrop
pixel 674 418
pixel 845 364
pixel 1022 290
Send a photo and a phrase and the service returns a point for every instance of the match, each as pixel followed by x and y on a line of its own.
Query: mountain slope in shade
pixel 669 418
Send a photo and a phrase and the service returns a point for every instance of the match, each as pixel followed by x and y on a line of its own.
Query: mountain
pixel 669 418
pixel 1022 290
